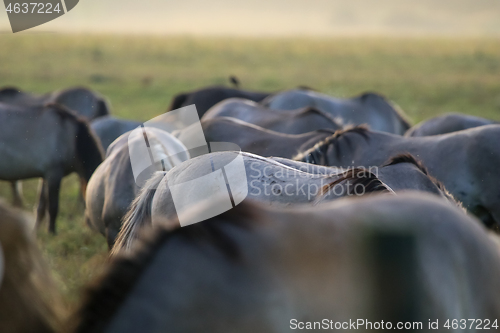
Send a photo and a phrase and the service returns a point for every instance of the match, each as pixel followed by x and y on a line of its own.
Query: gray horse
pixel 109 128
pixel 447 123
pixel 400 173
pixel 257 269
pixel 466 162
pixel 255 139
pixel 291 122
pixel 369 108
pixel 112 187
pixel 278 182
pixel 49 142
pixel 83 101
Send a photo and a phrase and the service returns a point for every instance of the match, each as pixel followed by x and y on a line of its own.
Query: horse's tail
pixel 102 108
pixel 88 148
pixel 178 101
pixel 138 215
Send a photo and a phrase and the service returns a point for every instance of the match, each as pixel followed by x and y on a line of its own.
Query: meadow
pixel 140 74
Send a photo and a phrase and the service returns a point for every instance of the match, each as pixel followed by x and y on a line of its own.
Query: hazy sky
pixel 279 17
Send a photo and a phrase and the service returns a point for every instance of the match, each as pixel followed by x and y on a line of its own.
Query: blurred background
pixel 282 17
pixel 430 57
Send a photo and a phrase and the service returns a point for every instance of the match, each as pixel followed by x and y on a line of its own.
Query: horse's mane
pixel 357 176
pixel 105 295
pixel 364 97
pixel 88 145
pixel 312 154
pixel 29 301
pixel 409 158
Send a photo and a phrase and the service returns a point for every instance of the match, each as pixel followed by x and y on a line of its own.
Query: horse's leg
pixel 53 186
pixel 17 193
pixel 42 202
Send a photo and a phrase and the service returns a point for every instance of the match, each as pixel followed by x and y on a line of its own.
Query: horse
pixel 255 139
pixel 400 173
pixel 29 300
pixel 274 182
pixel 291 122
pixel 83 101
pixel 465 161
pixel 207 97
pixel 447 123
pixel 369 108
pixel 49 142
pixel 263 269
pixel 109 128
pixel 112 187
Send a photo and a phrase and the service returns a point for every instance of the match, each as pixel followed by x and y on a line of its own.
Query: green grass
pixel 140 75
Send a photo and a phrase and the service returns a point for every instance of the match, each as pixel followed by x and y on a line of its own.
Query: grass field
pixel 140 75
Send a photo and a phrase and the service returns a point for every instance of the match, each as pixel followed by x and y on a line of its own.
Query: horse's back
pixel 247 261
pixel 109 128
pixel 447 123
pixel 32 140
pixel 83 101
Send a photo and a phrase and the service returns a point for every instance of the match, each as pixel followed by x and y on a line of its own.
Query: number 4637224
pixel 33 8
pixel 477 324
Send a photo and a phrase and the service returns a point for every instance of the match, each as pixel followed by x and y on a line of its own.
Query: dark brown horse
pixel 207 97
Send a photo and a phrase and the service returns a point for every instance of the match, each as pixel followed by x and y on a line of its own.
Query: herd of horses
pixel 419 243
